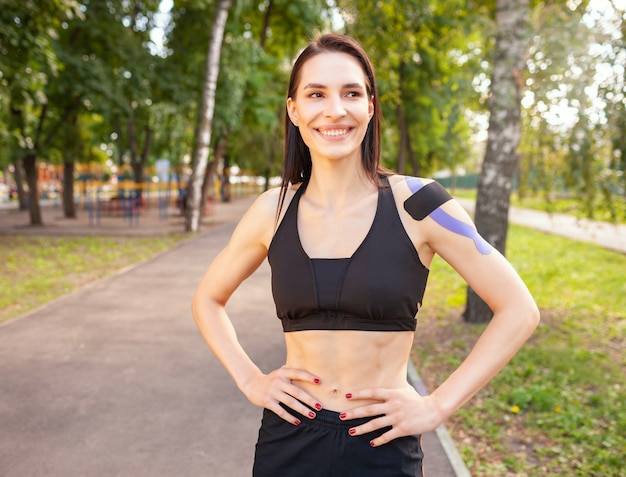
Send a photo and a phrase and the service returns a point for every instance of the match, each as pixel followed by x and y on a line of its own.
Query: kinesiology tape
pixel 426 201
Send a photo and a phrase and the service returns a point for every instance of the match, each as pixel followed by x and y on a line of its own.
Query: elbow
pixel 531 317
pixel 199 306
pixel 204 307
pixel 195 301
pixel 523 316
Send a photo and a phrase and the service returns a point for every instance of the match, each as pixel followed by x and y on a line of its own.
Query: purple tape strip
pixel 446 220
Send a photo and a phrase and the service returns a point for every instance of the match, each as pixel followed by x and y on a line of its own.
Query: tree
pixel 205 117
pixel 501 157
pixel 82 82
pixel 28 62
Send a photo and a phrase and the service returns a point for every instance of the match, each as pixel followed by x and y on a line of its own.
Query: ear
pixel 291 110
pixel 370 107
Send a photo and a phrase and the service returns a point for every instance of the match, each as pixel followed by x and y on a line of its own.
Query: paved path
pixel 607 235
pixel 115 380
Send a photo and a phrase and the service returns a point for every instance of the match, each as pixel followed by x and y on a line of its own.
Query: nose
pixel 334 106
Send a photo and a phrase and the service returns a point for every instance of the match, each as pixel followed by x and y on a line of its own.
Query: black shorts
pixel 322 447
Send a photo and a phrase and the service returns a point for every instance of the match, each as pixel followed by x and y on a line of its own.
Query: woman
pixel 349 245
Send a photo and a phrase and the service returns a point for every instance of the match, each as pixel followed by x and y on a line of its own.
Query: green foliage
pixel 28 62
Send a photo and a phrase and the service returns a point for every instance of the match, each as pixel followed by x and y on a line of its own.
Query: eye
pixel 354 94
pixel 315 95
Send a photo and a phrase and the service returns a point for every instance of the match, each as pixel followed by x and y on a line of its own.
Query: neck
pixel 333 184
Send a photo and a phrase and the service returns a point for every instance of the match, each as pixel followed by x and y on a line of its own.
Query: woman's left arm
pixel 515 316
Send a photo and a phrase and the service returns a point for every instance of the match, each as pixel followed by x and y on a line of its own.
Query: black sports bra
pixel 379 288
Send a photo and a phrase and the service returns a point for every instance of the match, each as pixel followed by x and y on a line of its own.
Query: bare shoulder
pixel 403 186
pixel 261 219
pixel 270 199
pixel 266 202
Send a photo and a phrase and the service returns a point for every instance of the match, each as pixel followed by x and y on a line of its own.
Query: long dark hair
pixel 297 161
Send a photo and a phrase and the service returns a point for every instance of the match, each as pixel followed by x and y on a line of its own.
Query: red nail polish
pixel 351 432
pixel 297 423
pixel 318 406
pixel 372 443
pixel 342 415
pixel 348 396
pixel 311 414
pixel 316 381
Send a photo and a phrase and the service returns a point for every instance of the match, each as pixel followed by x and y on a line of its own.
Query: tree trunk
pixel 271 158
pixel 134 148
pixel 208 183
pixel 205 119
pixel 209 176
pixel 32 177
pixel 225 192
pixel 401 167
pixel 405 149
pixel 119 141
pixel 69 209
pixel 18 175
pixel 275 146
pixel 266 25
pixel 138 162
pixel 412 158
pixel 5 174
pixel 500 162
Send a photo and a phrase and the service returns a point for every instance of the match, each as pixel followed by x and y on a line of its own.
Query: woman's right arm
pixel 243 254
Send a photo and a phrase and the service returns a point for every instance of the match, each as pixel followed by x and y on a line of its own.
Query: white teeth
pixel 333 132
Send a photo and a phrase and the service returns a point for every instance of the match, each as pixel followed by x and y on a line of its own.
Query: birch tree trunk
pixel 205 118
pixel 500 162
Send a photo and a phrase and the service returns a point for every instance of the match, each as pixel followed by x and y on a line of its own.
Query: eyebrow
pixel 322 86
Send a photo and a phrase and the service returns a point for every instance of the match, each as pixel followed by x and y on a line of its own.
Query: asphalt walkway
pixel 115 380
pixel 607 235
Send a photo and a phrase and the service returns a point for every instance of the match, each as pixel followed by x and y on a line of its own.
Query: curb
pixel 459 467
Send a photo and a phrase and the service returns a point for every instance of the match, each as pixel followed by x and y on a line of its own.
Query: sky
pixel 162 18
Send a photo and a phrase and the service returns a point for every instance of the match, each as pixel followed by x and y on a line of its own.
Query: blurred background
pixel 104 97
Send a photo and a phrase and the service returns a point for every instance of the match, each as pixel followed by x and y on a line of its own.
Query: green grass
pixel 558 407
pixel 36 270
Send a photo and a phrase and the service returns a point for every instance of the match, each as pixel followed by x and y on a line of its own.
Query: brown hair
pixel 297 161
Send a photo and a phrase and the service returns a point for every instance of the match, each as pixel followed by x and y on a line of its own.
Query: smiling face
pixel 331 106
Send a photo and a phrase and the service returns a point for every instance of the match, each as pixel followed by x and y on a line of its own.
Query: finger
pixel 378 394
pixel 385 438
pixel 302 398
pixel 368 410
pixel 300 408
pixel 284 414
pixel 295 374
pixel 370 426
pixel 374 425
